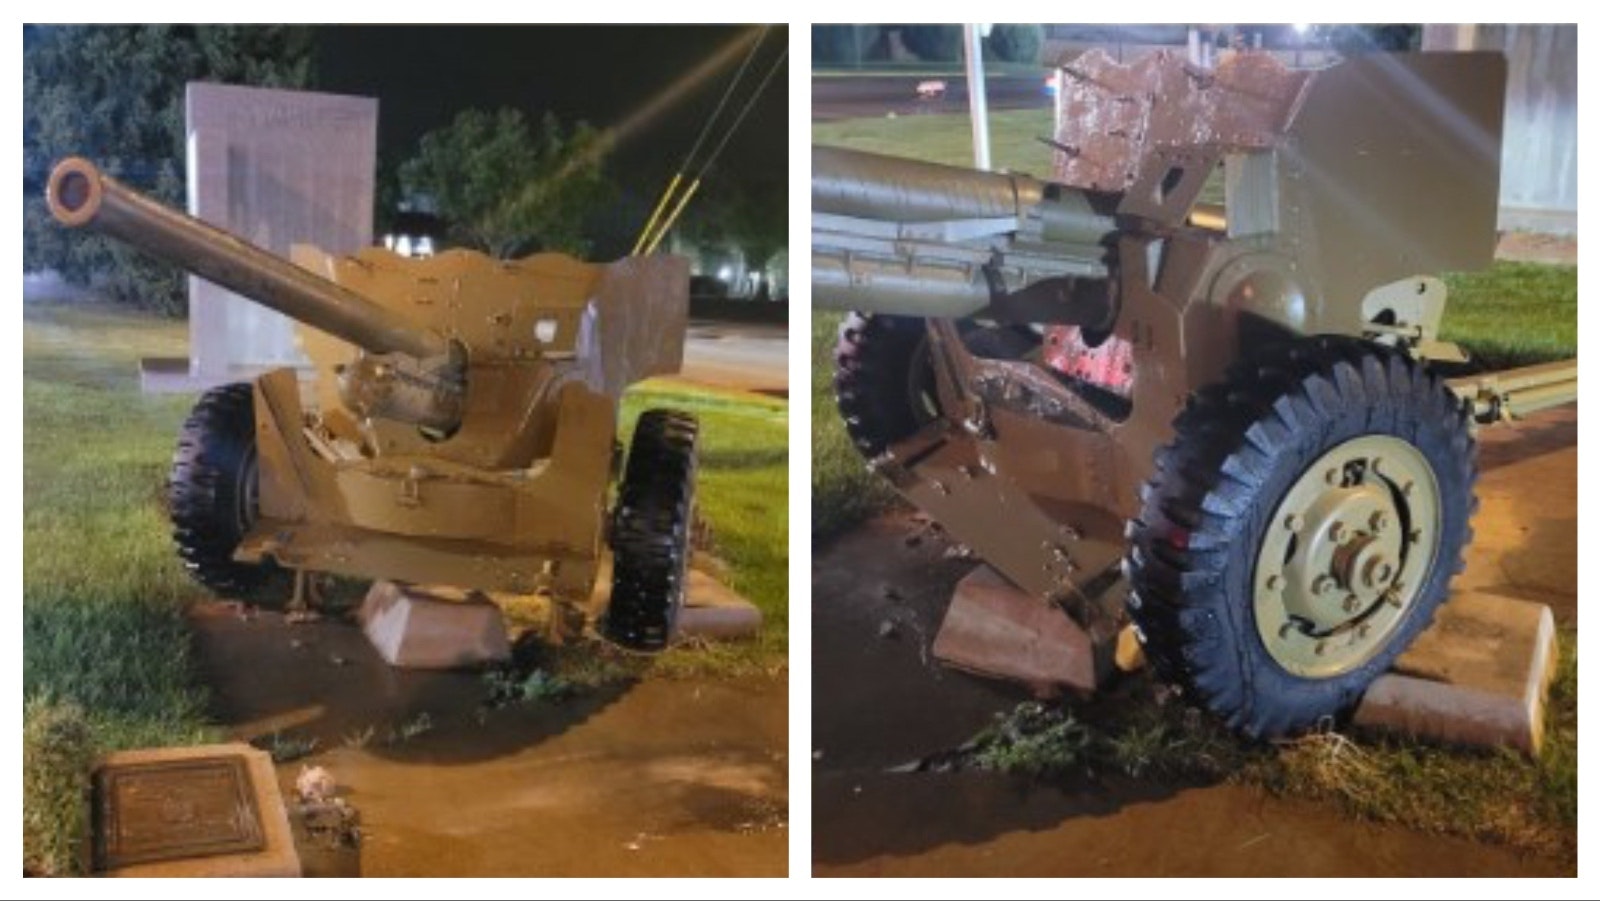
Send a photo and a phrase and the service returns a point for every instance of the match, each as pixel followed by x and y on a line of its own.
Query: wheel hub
pixel 1346 553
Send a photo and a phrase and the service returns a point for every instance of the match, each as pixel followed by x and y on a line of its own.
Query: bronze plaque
pixel 174 809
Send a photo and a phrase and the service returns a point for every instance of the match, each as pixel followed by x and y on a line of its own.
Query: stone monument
pixel 278 168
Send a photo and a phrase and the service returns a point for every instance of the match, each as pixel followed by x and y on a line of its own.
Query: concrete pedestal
pixel 212 810
pixel 993 628
pixel 433 628
pixel 1479 675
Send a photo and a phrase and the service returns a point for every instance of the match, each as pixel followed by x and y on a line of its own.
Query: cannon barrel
pixel 902 236
pixel 81 196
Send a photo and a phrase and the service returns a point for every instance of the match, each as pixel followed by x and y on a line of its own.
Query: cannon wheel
pixel 211 495
pixel 650 531
pixel 883 380
pixel 1300 531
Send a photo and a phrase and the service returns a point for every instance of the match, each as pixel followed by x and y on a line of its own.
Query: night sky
pixel 423 75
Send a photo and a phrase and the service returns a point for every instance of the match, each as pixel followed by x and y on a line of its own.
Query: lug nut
pixel 1378 522
pixel 1322 584
pixel 1292 522
pixel 1351 602
pixel 1336 532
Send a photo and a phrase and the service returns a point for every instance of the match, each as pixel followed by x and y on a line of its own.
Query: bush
pixel 57 760
pixel 843 43
pixel 1016 43
pixel 933 43
pixel 115 94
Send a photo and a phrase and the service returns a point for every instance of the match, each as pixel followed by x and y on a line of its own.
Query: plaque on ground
pixel 205 811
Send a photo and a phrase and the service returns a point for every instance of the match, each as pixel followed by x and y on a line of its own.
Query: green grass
pixel 743 493
pixel 104 640
pixel 1496 796
pixel 104 636
pixel 1513 314
pixel 944 138
pixel 843 492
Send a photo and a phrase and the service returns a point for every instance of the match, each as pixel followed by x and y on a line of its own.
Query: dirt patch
pixel 1530 247
pixel 654 778
pixel 1525 535
pixel 880 702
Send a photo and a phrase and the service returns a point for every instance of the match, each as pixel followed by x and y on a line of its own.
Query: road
pixel 851 97
pixel 746 357
pixel 878 596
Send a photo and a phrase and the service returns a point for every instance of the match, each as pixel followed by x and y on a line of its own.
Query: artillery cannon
pixel 1219 420
pixel 460 428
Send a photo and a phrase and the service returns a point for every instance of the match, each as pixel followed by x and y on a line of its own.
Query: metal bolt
pixel 1336 532
pixel 1351 602
pixel 1293 522
pixel 1378 522
pixel 1322 584
pixel 1363 629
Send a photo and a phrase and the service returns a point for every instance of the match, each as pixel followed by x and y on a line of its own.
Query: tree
pixel 841 44
pixel 758 224
pixel 748 217
pixel 505 189
pixel 933 43
pixel 1355 40
pixel 115 94
pixel 1016 43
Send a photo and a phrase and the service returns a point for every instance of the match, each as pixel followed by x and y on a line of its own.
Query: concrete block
pixel 212 810
pixel 713 610
pixel 1479 675
pixel 418 627
pixel 995 629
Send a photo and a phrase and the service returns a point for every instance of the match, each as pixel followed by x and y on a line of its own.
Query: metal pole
pixel 977 98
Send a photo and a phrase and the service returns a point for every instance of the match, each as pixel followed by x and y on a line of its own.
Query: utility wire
pixel 705 130
pixel 716 152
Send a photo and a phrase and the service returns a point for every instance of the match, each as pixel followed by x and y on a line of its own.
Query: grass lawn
pixel 925 69
pixel 106 650
pixel 1510 314
pixel 944 138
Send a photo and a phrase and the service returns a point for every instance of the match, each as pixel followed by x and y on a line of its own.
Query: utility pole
pixel 977 97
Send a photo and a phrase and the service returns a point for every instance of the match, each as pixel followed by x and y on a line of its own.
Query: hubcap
pixel 1345 555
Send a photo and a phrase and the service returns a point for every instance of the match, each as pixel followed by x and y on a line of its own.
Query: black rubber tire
pixel 211 497
pixel 1239 446
pixel 883 381
pixel 650 532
